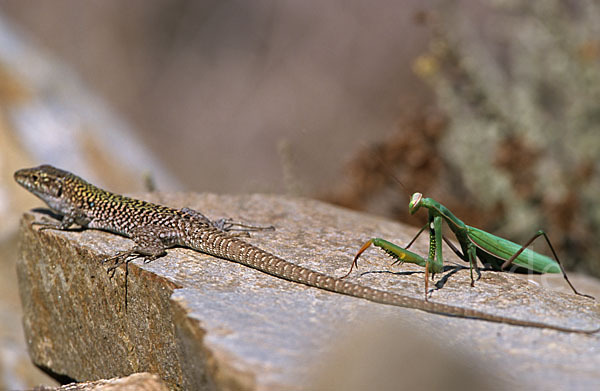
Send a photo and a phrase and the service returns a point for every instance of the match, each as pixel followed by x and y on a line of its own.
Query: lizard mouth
pixel 21 177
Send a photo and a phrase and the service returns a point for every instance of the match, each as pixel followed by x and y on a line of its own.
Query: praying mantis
pixel 492 250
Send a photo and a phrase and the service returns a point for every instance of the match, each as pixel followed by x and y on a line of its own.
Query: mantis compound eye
pixel 415 202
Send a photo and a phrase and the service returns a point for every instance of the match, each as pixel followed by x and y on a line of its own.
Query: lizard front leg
pixel 65 223
pixel 150 244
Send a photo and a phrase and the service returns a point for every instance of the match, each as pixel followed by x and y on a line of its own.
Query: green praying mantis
pixel 493 251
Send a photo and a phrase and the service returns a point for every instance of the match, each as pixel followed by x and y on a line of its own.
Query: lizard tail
pixel 219 244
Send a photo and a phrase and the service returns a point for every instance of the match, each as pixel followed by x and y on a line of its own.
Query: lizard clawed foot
pixel 241 229
pixel 44 225
pixel 119 259
pixel 150 258
pixel 124 257
pixel 227 224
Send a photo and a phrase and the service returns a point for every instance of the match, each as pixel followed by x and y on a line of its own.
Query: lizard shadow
pixel 47 212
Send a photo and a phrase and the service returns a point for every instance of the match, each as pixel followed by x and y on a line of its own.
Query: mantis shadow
pixel 448 270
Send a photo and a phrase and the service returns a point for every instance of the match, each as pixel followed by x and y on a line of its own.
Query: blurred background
pixel 492 107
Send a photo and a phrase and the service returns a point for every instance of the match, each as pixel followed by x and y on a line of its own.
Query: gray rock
pixel 200 321
pixel 49 115
pixel 134 382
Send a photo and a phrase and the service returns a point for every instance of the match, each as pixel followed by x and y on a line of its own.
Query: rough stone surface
pixel 47 115
pixel 135 382
pixel 200 321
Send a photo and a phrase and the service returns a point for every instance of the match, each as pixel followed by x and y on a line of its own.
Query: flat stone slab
pixel 134 382
pixel 199 321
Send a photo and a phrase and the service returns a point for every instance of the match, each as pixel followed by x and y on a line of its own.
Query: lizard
pixel 155 228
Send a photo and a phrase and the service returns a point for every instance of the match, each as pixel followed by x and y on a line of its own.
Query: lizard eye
pixel 59 191
pixel 35 178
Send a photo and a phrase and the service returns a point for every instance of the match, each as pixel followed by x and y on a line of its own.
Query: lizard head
pixel 45 181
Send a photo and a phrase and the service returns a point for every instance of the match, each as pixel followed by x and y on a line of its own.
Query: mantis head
pixel 415 203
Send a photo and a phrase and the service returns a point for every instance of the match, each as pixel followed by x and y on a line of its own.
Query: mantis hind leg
pixel 427 279
pixel 472 253
pixel 416 236
pixel 562 269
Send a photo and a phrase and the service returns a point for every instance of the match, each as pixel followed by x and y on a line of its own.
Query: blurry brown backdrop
pixel 491 107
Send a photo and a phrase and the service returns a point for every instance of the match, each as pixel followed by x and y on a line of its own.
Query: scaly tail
pixel 219 244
